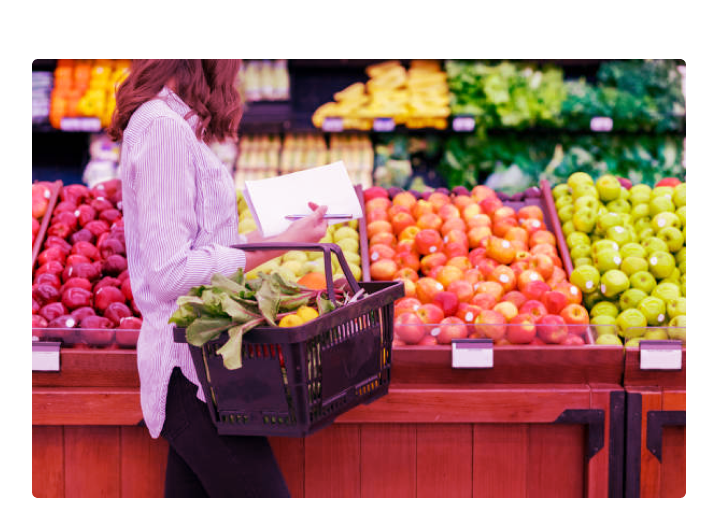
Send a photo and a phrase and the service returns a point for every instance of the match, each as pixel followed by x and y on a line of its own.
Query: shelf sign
pixel 81 124
pixel 384 124
pixel 463 124
pixel 661 355
pixel 45 356
pixel 472 353
pixel 601 124
pixel 333 124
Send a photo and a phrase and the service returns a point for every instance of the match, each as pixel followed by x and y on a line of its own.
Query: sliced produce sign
pixel 628 249
pixel 81 280
pixel 472 267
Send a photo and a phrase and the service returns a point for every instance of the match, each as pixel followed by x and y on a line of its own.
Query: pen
pixel 331 216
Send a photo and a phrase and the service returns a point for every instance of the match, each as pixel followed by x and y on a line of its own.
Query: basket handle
pixel 326 248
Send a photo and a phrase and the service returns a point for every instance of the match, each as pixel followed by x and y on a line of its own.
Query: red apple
pixel 434 260
pixel 490 324
pixel 541 263
pixel 45 293
pixel 447 301
pixel 515 297
pixel 534 308
pixel 383 269
pixel 52 310
pixel 554 301
pixel 450 328
pixel 428 241
pixel 504 276
pixel 485 301
pixel 573 294
pixel 552 329
pixel 116 311
pixel 97 330
pixel 79 313
pixel 576 317
pixel 374 192
pixel 522 329
pixel 430 314
pixel 573 340
pixel 107 295
pixel 463 289
pixel 387 239
pixel 507 309
pixel 113 265
pixel 428 340
pixel 406 305
pixel 48 278
pixel 52 266
pixel 500 250
pixel 73 298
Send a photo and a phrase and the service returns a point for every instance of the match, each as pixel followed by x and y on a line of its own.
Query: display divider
pixel 44 226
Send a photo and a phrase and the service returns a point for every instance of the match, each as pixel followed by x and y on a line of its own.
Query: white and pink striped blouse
pixel 180 212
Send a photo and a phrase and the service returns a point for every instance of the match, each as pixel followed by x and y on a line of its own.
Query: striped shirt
pixel 180 212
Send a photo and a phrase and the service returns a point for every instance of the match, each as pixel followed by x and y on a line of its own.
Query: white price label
pixel 601 124
pixel 384 124
pixel 46 356
pixel 472 353
pixel 333 124
pixel 463 124
pixel 660 355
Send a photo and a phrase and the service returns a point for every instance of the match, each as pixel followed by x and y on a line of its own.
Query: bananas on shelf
pixel 417 97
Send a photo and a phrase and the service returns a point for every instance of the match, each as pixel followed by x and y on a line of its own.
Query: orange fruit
pixel 313 280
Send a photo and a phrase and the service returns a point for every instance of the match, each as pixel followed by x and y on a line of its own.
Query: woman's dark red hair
pixel 207 86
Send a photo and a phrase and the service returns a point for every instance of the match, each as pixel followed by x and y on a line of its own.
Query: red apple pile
pixel 81 279
pixel 41 194
pixel 472 267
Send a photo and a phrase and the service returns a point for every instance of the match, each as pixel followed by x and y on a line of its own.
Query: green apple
pixel 645 234
pixel 682 266
pixel 682 215
pixel 608 339
pixel 633 249
pixel 579 178
pixel 634 342
pixel 584 190
pixel 604 325
pixel 655 334
pixel 631 298
pixel 679 196
pixel 582 262
pixel 586 278
pixel 678 328
pixel 580 251
pixel 642 223
pixel 568 228
pixel 681 255
pixel 631 265
pixel 613 283
pixel 666 291
pixel 654 310
pixel 607 259
pixel 619 206
pixel 640 210
pixel 586 202
pixel 352 257
pixel 663 190
pixel 631 323
pixel 677 307
pixel 654 245
pixel 619 234
pixel 563 201
pixel 584 219
pixel 640 193
pixel 590 299
pixel 659 204
pixel 299 256
pixel 665 219
pixel 561 190
pixel 624 194
pixel 605 308
pixel 673 277
pixel 565 212
pixel 673 238
pixel 577 239
pixel 609 187
pixel 604 245
pixel 661 264
pixel 607 220
pixel 643 280
pixel 683 284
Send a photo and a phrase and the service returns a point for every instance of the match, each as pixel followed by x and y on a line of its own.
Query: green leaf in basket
pixel 285 286
pixel 324 305
pixel 289 303
pixel 184 316
pixel 238 277
pixel 205 329
pixel 227 284
pixel 268 297
pixel 231 351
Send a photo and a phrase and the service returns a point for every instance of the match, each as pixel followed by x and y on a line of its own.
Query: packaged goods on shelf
pixel 417 97
pixel 42 84
pixel 104 160
pixel 226 152
pixel 265 80
pixel 86 88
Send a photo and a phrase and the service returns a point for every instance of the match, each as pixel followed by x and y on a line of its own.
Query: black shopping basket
pixel 295 381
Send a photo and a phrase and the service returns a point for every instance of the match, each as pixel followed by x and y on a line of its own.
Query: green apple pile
pixel 295 264
pixel 628 249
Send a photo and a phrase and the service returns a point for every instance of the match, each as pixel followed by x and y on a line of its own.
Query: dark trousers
pixel 201 463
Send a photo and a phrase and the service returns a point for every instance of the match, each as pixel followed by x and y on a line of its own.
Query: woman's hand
pixel 309 229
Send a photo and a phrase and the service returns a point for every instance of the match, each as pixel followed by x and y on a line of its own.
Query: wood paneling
pixel 444 460
pixel 556 463
pixel 290 456
pixel 388 460
pixel 500 460
pixel 649 464
pixel 48 461
pixel 142 463
pixel 673 473
pixel 333 462
pixel 92 461
pixel 85 406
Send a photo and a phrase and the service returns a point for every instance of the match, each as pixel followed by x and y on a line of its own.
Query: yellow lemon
pixel 307 313
pixel 291 320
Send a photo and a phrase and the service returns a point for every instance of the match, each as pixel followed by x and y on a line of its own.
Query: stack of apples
pixel 628 247
pixel 41 194
pixel 472 267
pixel 295 265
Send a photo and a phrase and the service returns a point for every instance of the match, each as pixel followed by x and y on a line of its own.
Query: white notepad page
pixel 270 200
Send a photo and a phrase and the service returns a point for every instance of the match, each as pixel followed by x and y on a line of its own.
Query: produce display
pixel 308 267
pixel 628 248
pixel 42 84
pixel 82 281
pixel 472 267
pixel 86 88
pixel 41 194
pixel 265 156
pixel 265 80
pixel 417 97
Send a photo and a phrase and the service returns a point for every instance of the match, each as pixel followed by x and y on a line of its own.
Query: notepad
pixel 272 199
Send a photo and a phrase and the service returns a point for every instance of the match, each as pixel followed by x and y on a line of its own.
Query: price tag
pixel 472 353
pixel 384 124
pixel 80 124
pixel 463 124
pixel 45 356
pixel 601 124
pixel 661 355
pixel 333 124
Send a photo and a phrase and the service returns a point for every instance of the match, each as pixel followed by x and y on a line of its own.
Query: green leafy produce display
pixel 236 305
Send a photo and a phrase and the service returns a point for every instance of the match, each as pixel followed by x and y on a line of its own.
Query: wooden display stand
pixel 655 429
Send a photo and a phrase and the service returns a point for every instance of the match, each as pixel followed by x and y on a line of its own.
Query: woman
pixel 180 211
